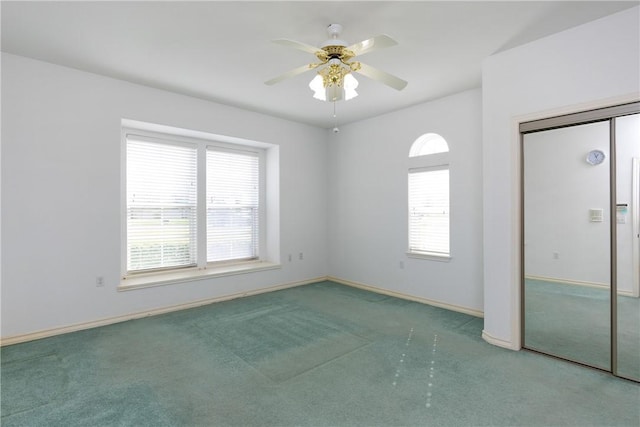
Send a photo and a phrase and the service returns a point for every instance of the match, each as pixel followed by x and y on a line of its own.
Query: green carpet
pixel 317 355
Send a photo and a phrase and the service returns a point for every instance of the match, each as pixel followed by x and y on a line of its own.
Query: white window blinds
pixel 161 204
pixel 429 211
pixel 233 210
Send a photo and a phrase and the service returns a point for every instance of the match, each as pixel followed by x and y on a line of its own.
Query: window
pixel 429 143
pixel 233 208
pixel 429 211
pixel 161 205
pixel 191 203
pixel 428 193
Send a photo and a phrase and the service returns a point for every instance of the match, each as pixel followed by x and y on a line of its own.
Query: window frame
pixel 202 269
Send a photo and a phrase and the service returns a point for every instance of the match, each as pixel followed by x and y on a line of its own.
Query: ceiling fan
pixel 335 81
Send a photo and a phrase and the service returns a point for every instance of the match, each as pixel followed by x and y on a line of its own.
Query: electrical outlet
pixel 99 281
pixel 300 256
pixel 289 257
pixel 556 255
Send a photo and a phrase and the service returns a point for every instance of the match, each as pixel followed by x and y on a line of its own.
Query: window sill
pixel 431 257
pixel 180 276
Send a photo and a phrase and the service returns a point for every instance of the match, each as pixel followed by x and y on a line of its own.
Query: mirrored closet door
pixel 627 137
pixel 580 238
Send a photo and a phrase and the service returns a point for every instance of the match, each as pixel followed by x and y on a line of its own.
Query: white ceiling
pixel 221 51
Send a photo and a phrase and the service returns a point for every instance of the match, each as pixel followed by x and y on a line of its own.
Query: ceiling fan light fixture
pixel 317 86
pixel 334 93
pixel 350 85
pixel 334 83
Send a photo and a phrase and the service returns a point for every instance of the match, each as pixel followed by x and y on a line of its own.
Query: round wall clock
pixel 595 157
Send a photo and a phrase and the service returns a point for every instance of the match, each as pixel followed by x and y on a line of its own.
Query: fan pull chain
pixel 335 119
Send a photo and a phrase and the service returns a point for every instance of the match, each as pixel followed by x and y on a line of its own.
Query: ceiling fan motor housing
pixel 334 31
pixel 334 52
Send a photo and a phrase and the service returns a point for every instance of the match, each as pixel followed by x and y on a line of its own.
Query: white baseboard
pixel 568 281
pixel 596 285
pixel 440 304
pixel 498 342
pixel 16 339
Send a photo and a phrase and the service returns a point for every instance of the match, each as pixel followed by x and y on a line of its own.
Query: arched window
pixel 429 143
pixel 429 198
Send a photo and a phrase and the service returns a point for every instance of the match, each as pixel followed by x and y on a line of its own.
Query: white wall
pixel 591 65
pixel 61 194
pixel 368 166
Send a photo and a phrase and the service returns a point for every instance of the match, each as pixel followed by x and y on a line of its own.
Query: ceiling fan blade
pixel 381 76
pixel 297 45
pixel 290 73
pixel 374 43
